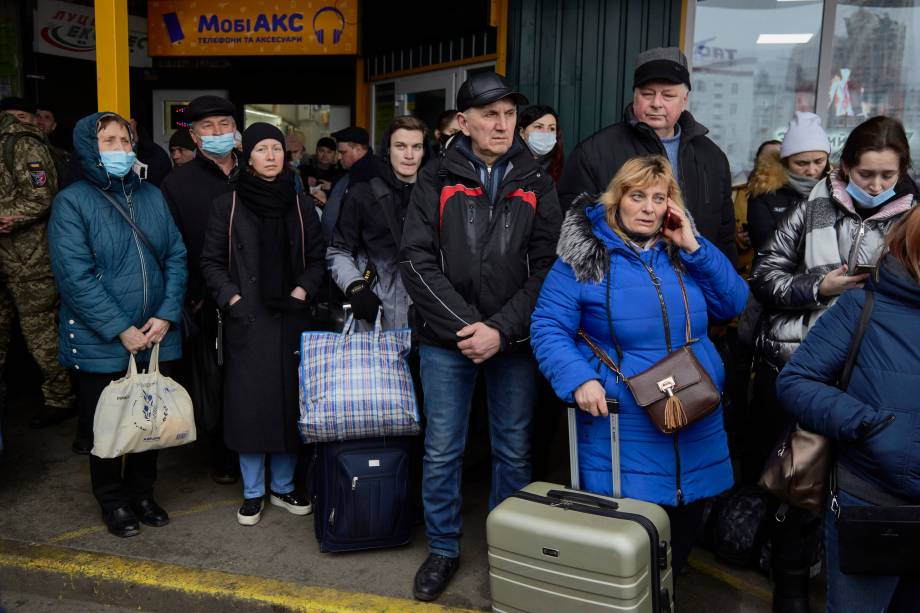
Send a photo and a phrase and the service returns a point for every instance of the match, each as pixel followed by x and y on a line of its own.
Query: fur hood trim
pixel 587 253
pixel 768 176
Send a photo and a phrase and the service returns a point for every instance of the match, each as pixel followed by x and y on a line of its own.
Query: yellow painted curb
pixel 199 583
pixel 736 582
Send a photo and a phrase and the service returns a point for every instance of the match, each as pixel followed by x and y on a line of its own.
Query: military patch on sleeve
pixel 37 174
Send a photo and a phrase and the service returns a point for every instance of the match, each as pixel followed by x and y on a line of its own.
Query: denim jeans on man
pixel 252 468
pixel 448 380
pixel 863 593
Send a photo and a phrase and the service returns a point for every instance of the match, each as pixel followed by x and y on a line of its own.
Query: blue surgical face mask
pixel 864 200
pixel 295 163
pixel 118 163
pixel 541 143
pixel 219 145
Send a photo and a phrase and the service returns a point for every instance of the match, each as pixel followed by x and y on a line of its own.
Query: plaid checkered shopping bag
pixel 356 385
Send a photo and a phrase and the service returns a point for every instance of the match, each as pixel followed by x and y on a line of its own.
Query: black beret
pixel 352 134
pixel 182 138
pixel 209 106
pixel 12 103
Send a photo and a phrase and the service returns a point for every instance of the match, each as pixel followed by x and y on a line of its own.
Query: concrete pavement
pixel 53 545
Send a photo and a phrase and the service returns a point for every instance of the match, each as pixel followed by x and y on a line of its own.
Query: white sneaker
pixel 250 511
pixel 292 502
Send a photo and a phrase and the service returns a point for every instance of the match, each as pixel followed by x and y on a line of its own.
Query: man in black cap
pixel 190 191
pixel 322 171
pixel 479 238
pixel 353 144
pixel 181 148
pixel 657 121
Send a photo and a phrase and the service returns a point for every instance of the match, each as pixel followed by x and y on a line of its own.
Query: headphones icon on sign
pixel 336 32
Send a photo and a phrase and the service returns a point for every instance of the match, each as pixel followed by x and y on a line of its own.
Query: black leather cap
pixel 209 106
pixel 352 134
pixel 485 88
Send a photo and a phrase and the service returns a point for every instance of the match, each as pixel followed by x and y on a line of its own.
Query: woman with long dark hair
pixel 822 247
pixel 538 126
pixel 263 262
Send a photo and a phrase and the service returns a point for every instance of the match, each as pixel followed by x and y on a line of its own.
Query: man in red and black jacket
pixel 479 238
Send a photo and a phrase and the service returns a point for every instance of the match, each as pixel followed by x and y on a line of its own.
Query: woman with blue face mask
pixel 822 246
pixel 538 127
pixel 121 294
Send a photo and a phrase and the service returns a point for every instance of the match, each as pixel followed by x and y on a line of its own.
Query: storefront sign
pixel 252 27
pixel 68 29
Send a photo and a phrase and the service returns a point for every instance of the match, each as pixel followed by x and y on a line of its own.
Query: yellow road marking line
pixel 81 532
pixel 726 577
pixel 198 583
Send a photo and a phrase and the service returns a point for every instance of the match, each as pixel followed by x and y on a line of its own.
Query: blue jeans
pixel 252 468
pixel 862 593
pixel 448 380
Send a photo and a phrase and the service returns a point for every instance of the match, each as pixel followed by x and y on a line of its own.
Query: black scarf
pixel 269 201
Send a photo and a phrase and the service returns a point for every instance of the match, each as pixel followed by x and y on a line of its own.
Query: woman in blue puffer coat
pixel 617 270
pixel 877 418
pixel 117 298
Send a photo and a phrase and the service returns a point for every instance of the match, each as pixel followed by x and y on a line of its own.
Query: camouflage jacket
pixel 27 188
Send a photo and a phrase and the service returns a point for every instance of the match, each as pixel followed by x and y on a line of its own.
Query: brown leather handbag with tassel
pixel 676 390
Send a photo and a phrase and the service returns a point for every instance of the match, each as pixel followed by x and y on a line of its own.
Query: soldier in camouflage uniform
pixel 28 183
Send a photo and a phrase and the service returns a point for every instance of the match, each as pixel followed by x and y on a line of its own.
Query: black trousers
pixel 686 521
pixel 116 481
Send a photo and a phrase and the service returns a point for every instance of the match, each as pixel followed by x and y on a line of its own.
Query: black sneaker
pixel 433 576
pixel 292 502
pixel 250 512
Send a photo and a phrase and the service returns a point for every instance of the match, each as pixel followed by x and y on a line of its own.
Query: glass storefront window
pixel 753 64
pixel 872 68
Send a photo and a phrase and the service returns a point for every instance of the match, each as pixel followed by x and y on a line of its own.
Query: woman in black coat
pixel 262 261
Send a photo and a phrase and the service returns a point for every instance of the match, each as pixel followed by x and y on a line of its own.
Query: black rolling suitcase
pixel 361 493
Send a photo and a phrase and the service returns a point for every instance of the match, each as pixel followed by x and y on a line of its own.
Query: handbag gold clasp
pixel 667 386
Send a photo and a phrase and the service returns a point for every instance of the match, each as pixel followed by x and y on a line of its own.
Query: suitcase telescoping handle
pixel 613 409
pixel 594 501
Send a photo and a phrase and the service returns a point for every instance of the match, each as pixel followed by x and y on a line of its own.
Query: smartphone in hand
pixel 671 221
pixel 862 269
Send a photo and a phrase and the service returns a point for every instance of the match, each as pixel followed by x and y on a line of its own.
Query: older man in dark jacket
pixel 478 240
pixel 190 191
pixel 657 121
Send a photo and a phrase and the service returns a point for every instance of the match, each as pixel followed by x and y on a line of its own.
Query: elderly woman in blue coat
pixel 617 276
pixel 117 298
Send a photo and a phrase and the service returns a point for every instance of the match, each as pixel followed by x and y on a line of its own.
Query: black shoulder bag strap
pixel 134 226
pixel 864 318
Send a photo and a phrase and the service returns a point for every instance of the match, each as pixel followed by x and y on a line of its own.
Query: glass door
pixel 425 96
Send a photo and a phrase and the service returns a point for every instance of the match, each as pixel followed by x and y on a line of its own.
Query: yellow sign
pixel 252 27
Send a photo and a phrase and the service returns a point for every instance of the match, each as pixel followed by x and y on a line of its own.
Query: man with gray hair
pixel 657 122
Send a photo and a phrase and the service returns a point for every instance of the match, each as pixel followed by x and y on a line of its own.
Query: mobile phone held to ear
pixel 671 221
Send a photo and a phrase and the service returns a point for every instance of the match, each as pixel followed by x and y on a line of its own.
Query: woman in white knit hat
pixel 780 180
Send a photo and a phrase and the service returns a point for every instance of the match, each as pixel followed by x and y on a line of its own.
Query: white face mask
pixel 541 143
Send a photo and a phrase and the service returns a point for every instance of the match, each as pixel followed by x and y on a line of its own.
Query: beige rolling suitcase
pixel 554 549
